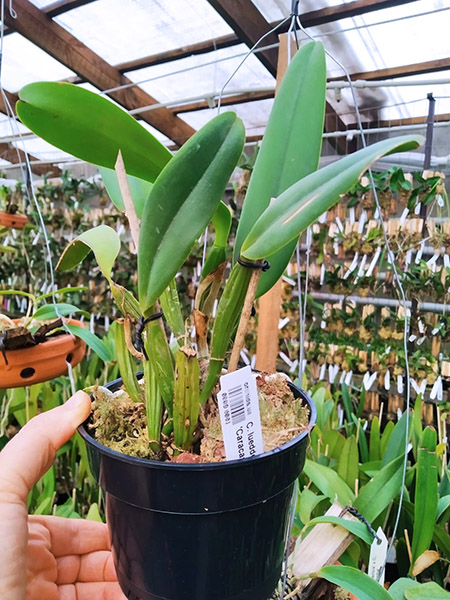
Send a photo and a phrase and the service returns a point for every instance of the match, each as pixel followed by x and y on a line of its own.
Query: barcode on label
pixel 237 406
pixel 239 415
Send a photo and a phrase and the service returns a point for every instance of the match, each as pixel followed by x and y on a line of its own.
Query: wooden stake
pixel 130 210
pixel 322 546
pixel 243 322
pixel 269 307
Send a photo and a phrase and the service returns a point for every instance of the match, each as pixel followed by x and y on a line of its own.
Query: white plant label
pixel 377 559
pixel 239 415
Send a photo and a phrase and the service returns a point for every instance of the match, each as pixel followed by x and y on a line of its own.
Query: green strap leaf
pixel 384 487
pixel 426 494
pixel 301 204
pixel 221 221
pixel 139 188
pixel 104 243
pixel 53 311
pixel 91 340
pixel 183 200
pixel 290 148
pixel 348 464
pixel 358 529
pixel 396 444
pixel 427 591
pixel 329 482
pixel 353 580
pixel 398 588
pixel 90 127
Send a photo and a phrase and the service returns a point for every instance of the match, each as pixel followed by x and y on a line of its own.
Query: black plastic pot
pixel 198 531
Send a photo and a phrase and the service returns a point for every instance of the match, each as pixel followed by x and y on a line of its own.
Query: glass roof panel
pixel 203 74
pixel 254 116
pixel 23 62
pixel 123 30
pixel 42 3
pixel 41 149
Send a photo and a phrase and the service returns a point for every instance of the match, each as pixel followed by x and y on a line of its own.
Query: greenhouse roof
pixel 180 55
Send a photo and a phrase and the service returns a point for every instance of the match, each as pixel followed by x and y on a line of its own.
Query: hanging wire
pixel 26 171
pixel 401 291
pixel 249 53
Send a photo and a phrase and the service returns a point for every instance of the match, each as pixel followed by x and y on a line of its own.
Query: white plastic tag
pixel 377 559
pixel 239 415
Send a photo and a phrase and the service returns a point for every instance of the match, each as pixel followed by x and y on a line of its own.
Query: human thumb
pixel 29 455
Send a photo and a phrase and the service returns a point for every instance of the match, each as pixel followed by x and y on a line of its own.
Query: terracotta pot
pixel 14 221
pixel 42 362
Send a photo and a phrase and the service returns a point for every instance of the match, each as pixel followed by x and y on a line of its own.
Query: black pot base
pixel 262 592
pixel 199 531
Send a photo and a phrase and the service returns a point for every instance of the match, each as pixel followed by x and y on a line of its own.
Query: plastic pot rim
pixel 227 464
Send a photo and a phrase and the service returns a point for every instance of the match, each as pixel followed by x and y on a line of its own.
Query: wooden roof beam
pixel 40 29
pixel 15 156
pixel 249 25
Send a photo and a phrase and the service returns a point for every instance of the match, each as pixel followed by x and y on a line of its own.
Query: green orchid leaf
pixel 53 311
pixel 90 127
pixel 348 463
pixel 384 486
pixel 443 504
pixel 353 580
pixel 398 588
pixel 426 494
pixel 290 148
pixel 221 222
pixel 139 188
pixel 104 243
pixel 62 292
pixel 301 204
pixel 396 444
pixel 427 591
pixel 91 340
pixel 355 527
pixel 329 482
pixel 183 200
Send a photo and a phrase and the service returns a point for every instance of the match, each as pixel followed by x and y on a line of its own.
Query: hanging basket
pixel 43 362
pixel 15 221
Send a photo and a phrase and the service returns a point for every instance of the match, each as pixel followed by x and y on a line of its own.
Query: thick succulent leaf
pixel 90 127
pixel 290 148
pixel 300 205
pixel 353 580
pixel 183 200
pixel 104 243
pixel 139 188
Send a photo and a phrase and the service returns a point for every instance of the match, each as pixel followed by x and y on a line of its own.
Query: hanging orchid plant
pixel 175 198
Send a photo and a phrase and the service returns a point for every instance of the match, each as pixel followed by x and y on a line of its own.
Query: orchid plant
pixel 174 198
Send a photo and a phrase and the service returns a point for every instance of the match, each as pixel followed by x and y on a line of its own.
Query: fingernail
pixel 77 401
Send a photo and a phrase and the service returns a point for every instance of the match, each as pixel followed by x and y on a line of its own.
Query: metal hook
pixel 294 8
pixel 12 12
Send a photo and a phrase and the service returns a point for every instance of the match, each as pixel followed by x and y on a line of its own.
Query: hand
pixel 49 558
